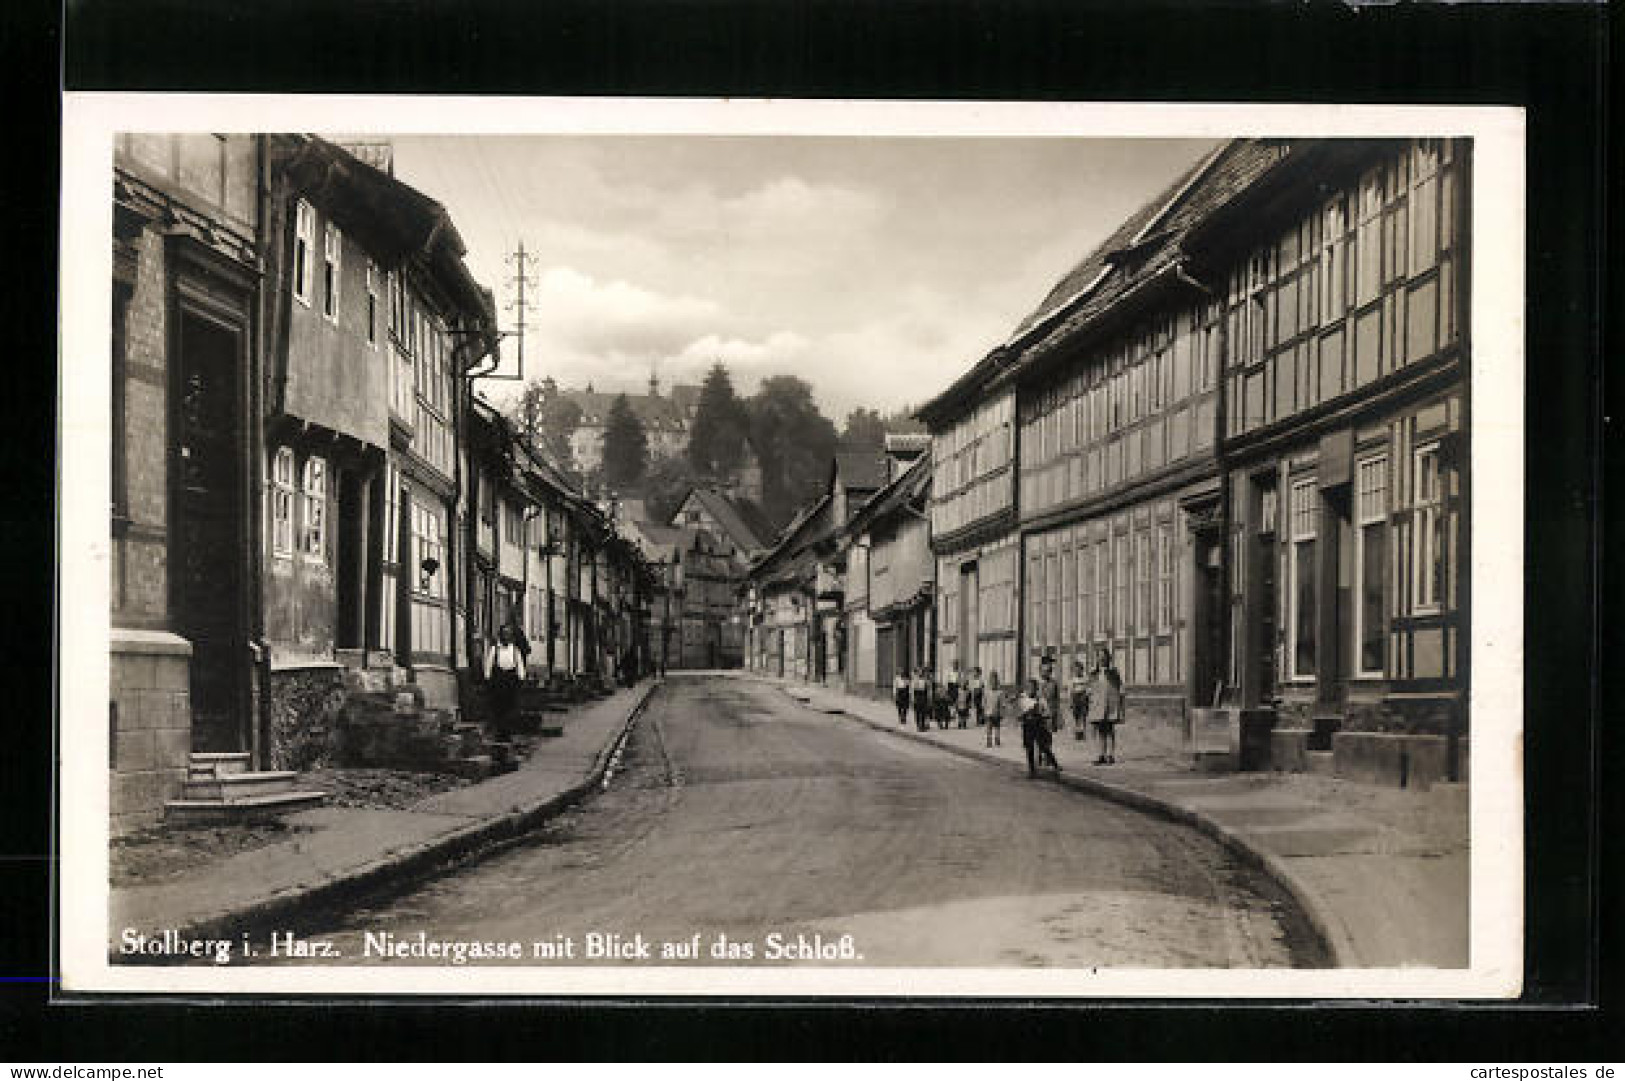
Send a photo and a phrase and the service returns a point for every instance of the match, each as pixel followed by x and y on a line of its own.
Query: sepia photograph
pixel 830 549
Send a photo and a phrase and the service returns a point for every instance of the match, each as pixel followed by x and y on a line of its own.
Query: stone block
pixel 1287 749
pixel 128 822
pixel 137 793
pixel 172 747
pixel 172 673
pixel 1401 761
pixel 180 710
pixel 135 749
pixel 158 710
pixel 133 671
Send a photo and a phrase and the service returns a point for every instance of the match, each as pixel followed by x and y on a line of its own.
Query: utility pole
pixel 521 260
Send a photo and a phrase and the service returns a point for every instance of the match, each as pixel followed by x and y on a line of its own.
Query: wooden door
pixel 208 550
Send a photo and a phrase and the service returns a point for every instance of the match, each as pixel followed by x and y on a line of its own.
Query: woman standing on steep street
pixel 900 696
pixel 504 671
pixel 1112 704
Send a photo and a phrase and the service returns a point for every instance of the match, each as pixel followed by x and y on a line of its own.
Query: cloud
pixel 747 360
pixel 578 312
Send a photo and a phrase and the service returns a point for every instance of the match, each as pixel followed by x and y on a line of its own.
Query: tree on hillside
pixel 665 484
pixel 864 428
pixel 794 443
pixel 544 419
pixel 626 446
pixel 716 439
pixel 904 422
pixel 526 414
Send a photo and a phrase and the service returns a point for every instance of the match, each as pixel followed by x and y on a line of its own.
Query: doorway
pixel 1210 657
pixel 969 616
pixel 350 569
pixel 208 548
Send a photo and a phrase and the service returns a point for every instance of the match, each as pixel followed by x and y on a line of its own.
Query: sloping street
pixel 739 813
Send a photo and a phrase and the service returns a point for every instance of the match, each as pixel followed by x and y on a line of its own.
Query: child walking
pixel 1001 701
pixel 922 698
pixel 1080 701
pixel 1111 708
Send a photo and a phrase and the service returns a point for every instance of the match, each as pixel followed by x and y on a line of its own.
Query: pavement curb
pixel 1337 943
pixel 405 864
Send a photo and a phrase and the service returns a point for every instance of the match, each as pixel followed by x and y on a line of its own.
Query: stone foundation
pixel 1150 726
pixel 150 724
pixel 1397 761
pixel 306 703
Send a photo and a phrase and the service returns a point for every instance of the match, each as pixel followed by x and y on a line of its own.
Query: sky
pixel 878 269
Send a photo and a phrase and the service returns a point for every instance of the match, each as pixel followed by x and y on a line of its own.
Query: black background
pixel 1551 59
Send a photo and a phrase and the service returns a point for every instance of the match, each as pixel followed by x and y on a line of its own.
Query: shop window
pixel 282 493
pixel 314 492
pixel 304 242
pixel 1427 545
pixel 1301 578
pixel 1370 561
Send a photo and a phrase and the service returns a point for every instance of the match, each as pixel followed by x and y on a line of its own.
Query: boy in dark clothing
pixel 1035 731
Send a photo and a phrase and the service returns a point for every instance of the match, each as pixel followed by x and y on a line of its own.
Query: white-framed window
pixel 1427 522
pixel 1142 582
pixel 313 542
pixel 1370 564
pixel 1121 613
pixel 282 503
pixel 513 523
pixel 372 304
pixel 392 515
pixel 427 552
pixel 304 244
pixel 1165 579
pixel 332 249
pixel 1301 608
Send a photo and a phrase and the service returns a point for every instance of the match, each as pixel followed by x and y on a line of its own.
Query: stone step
pixel 234 787
pixel 216 763
pixel 475 767
pixel 1321 762
pixel 205 812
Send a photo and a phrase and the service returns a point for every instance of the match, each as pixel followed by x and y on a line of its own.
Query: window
pixel 372 304
pixel 1301 574
pixel 1086 590
pixel 392 515
pixel 1165 579
pixel 1427 547
pixel 1142 582
pixel 513 523
pixel 1035 597
pixel 282 503
pixel 1120 577
pixel 1368 239
pixel 304 240
pixel 1101 578
pixel 1370 557
pixel 332 244
pixel 426 553
pixel 314 545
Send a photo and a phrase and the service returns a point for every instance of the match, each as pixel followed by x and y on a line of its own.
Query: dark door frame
pixel 215 290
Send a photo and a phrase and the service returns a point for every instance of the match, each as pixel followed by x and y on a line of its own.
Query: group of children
pixel 1096 700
